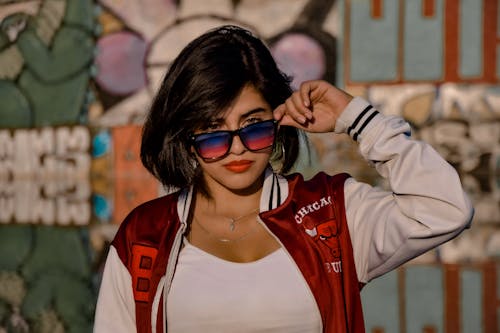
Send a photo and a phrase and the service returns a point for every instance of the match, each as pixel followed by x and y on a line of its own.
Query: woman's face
pixel 240 170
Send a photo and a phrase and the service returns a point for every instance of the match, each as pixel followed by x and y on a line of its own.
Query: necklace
pixel 227 240
pixel 236 219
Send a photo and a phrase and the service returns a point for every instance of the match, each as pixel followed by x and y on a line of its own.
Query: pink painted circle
pixel 121 63
pixel 300 56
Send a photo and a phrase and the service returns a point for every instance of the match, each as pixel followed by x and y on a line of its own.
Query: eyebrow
pixel 256 110
pixel 244 115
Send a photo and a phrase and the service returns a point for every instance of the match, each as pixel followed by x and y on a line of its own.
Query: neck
pixel 230 203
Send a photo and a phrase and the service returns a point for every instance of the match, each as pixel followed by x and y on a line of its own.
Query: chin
pixel 245 183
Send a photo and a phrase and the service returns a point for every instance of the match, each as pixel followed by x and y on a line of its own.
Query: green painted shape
pixel 70 53
pixel 471 38
pixel 380 300
pixel 69 295
pixel 424 301
pixel 56 77
pixel 15 246
pixel 423 42
pixel 4 40
pixel 471 305
pixel 56 104
pixel 15 110
pixel 4 311
pixel 57 249
pixel 373 51
pixel 81 13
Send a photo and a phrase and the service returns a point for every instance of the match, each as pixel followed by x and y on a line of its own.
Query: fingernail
pixel 302 119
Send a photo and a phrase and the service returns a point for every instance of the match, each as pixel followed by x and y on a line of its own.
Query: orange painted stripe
pixel 377 9
pixel 401 35
pixel 451 40
pixel 429 8
pixel 133 184
pixel 490 40
pixel 402 299
pixel 452 298
pixel 429 329
pixel 490 319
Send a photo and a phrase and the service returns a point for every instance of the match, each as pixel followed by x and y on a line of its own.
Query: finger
pixel 305 90
pixel 298 102
pixel 293 112
pixel 280 115
pixel 289 121
pixel 279 112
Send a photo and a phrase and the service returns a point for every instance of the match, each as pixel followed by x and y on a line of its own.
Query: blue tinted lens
pixel 259 135
pixel 212 145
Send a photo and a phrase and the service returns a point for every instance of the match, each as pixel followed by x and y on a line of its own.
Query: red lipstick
pixel 238 166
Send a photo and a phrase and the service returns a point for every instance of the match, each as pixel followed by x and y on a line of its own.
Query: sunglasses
pixel 216 145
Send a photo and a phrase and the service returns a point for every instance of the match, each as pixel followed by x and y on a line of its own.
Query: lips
pixel 238 166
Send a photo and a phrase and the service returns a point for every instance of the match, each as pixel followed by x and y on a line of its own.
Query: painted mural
pixel 76 80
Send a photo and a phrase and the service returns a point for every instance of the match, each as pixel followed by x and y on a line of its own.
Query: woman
pixel 242 248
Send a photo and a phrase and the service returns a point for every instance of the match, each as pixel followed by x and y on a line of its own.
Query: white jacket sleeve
pixel 425 207
pixel 115 311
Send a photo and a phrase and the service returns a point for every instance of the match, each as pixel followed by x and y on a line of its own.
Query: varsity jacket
pixel 340 233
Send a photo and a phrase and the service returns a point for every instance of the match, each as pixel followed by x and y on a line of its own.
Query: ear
pixel 193 154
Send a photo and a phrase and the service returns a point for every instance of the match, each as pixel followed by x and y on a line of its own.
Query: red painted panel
pixel 490 297
pixel 428 8
pixel 133 183
pixel 490 41
pixel 377 9
pixel 429 329
pixel 452 298
pixel 451 53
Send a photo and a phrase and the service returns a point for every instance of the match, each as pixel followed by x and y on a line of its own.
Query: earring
pixel 195 163
pixel 278 157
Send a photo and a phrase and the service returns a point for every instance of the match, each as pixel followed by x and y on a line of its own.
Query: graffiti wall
pixel 76 81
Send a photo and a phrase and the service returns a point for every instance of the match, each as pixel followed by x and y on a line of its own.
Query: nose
pixel 237 146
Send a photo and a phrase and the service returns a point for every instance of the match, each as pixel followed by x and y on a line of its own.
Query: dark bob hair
pixel 203 80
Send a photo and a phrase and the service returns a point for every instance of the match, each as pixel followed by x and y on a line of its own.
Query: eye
pixel 213 126
pixel 252 120
pixel 210 127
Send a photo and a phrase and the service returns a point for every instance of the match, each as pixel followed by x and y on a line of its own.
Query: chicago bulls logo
pixel 325 234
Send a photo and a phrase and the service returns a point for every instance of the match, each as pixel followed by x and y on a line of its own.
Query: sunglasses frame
pixel 232 134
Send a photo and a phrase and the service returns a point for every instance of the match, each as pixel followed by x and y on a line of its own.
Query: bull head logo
pixel 326 233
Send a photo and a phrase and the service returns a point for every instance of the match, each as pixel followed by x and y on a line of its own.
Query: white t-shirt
pixel 209 294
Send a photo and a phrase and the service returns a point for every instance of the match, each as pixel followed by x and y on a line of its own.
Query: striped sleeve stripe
pixel 352 131
pixel 355 136
pixel 358 119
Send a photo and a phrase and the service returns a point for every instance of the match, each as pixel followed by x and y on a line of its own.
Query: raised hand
pixel 315 107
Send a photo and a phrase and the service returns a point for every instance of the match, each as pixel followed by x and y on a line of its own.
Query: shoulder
pixel 148 222
pixel 153 211
pixel 318 181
